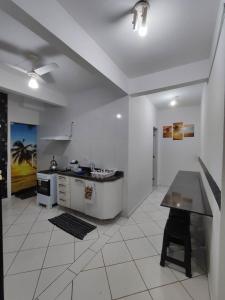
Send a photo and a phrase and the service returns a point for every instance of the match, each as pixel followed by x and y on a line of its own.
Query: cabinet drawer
pixel 64 202
pixel 63 179
pixel 77 181
pixel 63 187
pixel 64 194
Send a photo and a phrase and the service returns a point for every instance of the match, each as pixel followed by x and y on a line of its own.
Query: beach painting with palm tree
pixel 23 156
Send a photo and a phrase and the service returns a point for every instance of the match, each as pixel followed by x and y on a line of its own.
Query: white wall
pixel 98 135
pixel 142 119
pixel 20 114
pixel 177 155
pixel 212 151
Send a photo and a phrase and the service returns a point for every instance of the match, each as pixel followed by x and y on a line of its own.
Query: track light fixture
pixel 140 15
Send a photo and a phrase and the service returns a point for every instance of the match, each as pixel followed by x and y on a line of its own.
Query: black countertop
pixel 86 175
pixel 187 193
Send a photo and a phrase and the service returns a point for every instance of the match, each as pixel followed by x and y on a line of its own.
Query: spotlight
pixel 140 14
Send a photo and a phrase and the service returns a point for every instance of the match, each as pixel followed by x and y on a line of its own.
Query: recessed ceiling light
pixel 140 14
pixel 33 83
pixel 119 116
pixel 173 103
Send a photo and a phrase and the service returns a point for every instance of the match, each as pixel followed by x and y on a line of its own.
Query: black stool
pixel 180 215
pixel 177 231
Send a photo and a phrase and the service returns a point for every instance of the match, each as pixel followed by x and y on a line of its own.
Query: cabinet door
pixel 77 194
pixel 63 190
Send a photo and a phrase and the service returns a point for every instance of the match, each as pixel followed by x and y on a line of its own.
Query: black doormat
pixel 72 225
pixel 27 193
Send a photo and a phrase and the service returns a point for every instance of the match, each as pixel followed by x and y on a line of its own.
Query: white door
pixel 155 156
pixel 77 194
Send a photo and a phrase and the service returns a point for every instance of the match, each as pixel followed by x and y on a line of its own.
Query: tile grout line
pixel 96 253
pixel 74 262
pixel 19 215
pixel 122 298
pixel 71 265
pixel 147 236
pixel 50 239
pixel 106 274
pixel 19 250
pixel 104 233
pixel 43 263
pixel 64 290
pixel 53 282
pixel 68 269
pixel 152 256
pixel 209 288
pixel 72 291
pixel 88 248
pixel 111 265
pixel 74 250
pixel 135 264
pixel 187 290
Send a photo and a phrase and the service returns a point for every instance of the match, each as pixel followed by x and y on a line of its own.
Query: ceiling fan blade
pixel 118 17
pixel 40 79
pixel 16 68
pixel 46 69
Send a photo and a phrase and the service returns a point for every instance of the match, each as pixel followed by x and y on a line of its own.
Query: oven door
pixel 43 186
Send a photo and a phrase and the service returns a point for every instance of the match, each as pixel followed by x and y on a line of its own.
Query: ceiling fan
pixel 35 73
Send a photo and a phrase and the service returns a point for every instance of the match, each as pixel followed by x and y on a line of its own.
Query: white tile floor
pixel 118 260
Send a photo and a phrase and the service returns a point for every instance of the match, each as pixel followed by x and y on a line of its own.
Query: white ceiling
pixel 180 32
pixel 186 96
pixel 16 41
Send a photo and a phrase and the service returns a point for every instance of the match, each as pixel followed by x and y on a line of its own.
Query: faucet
pixel 92 165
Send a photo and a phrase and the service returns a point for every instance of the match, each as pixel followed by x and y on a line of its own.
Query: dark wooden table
pixel 187 193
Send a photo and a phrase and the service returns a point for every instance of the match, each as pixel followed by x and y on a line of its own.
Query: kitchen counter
pixel 86 175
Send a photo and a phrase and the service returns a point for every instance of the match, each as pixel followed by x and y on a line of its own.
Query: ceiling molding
pixel 169 79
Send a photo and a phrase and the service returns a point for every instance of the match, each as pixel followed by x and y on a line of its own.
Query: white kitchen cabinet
pixel 77 194
pixel 107 200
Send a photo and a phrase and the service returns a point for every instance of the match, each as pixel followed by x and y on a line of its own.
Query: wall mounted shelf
pixel 56 138
pixel 60 137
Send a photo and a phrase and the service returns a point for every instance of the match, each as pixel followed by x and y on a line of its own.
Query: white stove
pixel 46 188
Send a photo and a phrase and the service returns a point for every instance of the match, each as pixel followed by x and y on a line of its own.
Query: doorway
pixel 155 157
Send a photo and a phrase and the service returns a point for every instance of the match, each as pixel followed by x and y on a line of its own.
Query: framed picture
pixel 189 130
pixel 167 131
pixel 178 131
